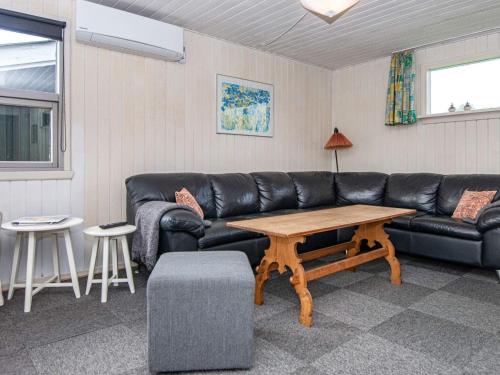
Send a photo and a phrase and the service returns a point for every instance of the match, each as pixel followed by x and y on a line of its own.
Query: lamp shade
pixel 337 140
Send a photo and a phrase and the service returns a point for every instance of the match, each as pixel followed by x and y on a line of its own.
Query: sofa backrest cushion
pixel 360 188
pixel 413 190
pixel 235 194
pixel 276 191
pixel 162 187
pixel 453 186
pixel 314 188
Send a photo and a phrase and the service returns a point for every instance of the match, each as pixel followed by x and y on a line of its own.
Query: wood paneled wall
pixel 45 197
pixel 451 144
pixel 145 115
pixel 131 115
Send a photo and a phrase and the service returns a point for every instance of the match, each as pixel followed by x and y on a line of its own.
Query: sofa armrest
pixel 183 220
pixel 489 219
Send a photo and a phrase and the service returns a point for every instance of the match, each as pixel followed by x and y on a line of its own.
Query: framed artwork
pixel 244 107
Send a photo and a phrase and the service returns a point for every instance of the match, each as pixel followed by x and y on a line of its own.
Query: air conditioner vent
pixel 118 30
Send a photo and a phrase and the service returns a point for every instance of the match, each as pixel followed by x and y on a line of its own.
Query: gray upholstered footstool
pixel 200 312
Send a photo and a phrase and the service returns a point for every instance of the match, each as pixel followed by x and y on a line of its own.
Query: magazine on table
pixel 37 220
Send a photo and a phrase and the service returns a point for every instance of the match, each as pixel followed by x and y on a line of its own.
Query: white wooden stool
pixel 107 236
pixel 53 281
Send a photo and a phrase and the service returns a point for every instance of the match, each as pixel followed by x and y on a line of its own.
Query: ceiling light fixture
pixel 328 8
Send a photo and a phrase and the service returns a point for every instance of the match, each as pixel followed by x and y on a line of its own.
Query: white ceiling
pixel 372 29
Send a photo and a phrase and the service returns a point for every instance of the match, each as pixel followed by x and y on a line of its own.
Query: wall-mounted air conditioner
pixel 115 29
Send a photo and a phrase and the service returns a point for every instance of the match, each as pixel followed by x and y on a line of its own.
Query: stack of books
pixel 40 220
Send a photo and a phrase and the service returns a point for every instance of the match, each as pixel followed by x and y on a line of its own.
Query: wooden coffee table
pixel 286 231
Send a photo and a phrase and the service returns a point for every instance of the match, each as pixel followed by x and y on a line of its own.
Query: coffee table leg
pixel 375 232
pixel 392 260
pixel 357 238
pixel 287 254
pixel 263 270
pixel 282 254
pixel 299 282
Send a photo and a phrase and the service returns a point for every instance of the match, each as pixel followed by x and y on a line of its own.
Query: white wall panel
pixel 152 116
pixel 441 145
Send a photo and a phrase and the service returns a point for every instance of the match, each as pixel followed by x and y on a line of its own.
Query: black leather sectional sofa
pixel 430 232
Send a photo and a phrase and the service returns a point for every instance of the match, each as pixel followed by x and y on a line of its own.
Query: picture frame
pixel 244 107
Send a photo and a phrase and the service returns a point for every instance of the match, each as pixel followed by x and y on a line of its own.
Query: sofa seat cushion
pixel 219 233
pixel 404 222
pixel 445 226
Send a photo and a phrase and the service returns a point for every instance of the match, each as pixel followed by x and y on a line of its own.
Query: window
pixel 476 83
pixel 31 92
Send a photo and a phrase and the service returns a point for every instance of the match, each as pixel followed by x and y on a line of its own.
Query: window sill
pixel 475 114
pixel 35 175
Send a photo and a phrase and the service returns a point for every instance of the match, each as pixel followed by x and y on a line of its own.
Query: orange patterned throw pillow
pixel 471 203
pixel 185 198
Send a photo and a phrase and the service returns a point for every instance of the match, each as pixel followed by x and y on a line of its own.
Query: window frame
pixel 425 83
pixel 40 99
pixel 56 155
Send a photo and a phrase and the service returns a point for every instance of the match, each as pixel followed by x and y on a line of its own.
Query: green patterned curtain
pixel 400 108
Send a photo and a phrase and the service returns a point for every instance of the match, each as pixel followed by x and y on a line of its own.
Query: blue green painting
pixel 244 107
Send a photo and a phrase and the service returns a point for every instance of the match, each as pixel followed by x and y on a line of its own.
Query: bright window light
pixel 28 125
pixel 27 62
pixel 10 37
pixel 475 83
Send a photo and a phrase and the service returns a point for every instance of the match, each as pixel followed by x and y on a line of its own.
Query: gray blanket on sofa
pixel 147 221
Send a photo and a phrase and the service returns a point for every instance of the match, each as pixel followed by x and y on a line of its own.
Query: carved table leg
pixel 299 282
pixel 357 238
pixel 373 233
pixel 287 252
pixel 282 254
pixel 392 260
pixel 263 270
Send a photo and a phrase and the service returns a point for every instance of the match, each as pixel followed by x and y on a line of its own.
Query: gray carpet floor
pixel 444 319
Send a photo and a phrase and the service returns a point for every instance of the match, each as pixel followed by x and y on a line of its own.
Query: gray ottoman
pixel 200 312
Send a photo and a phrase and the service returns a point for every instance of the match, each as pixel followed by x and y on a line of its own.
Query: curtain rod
pixel 449 40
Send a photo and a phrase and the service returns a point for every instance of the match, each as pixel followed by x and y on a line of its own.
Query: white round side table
pixel 32 231
pixel 108 236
